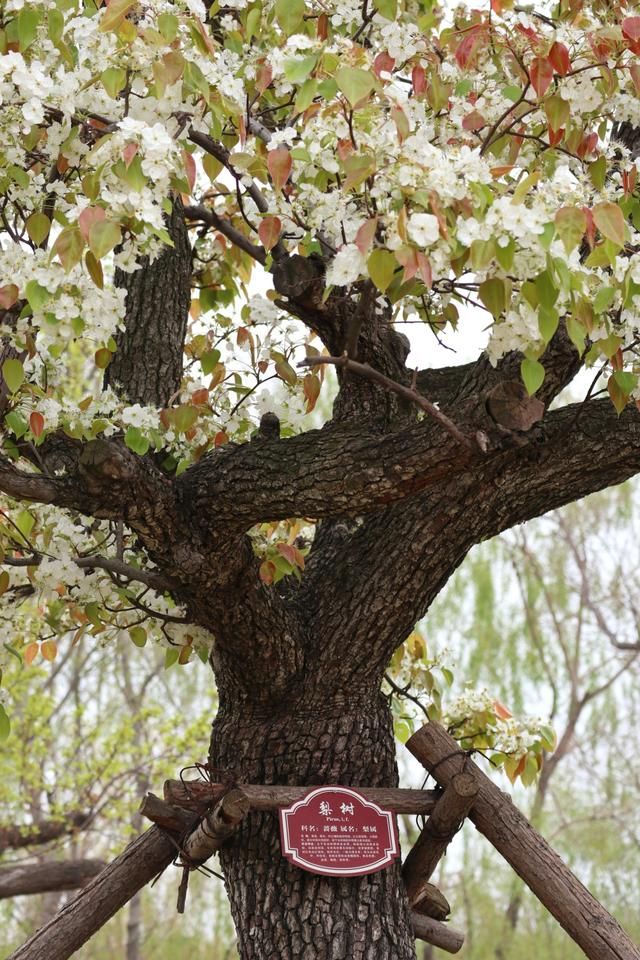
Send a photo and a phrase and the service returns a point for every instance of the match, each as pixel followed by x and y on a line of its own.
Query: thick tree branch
pixel 587 447
pixel 442 383
pixel 412 396
pixel 35 835
pixel 22 879
pixel 30 486
pixel 334 472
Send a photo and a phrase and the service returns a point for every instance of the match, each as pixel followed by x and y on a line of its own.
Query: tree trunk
pixel 279 910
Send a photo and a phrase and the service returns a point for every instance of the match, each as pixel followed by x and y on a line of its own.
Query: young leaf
pixel 269 232
pixel 381 266
pixel 5 724
pixel 289 14
pixel 356 84
pixel 609 219
pixel 532 373
pixel 13 373
pixel 279 164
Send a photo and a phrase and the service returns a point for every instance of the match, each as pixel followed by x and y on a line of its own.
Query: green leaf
pixel 104 235
pixel 626 381
pixel 386 8
pixel 135 440
pixel 171 657
pixel 5 724
pixel 296 71
pixel 306 93
pixel 603 299
pixel 356 84
pixel 13 373
pixel 115 14
pixel 532 373
pixel 286 372
pixel 25 523
pixel 620 385
pixel 209 360
pixel 598 172
pixel 609 219
pixel 69 247
pixel 289 14
pixel 184 417
pixel 38 226
pixel 557 111
pixel 17 424
pixel 571 224
pixel 493 293
pixel 548 320
pixel 381 266
pixel 168 26
pixel 138 636
pixel 113 79
pixel 28 20
pixel 546 290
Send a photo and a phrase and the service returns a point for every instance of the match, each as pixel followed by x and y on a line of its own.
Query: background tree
pixel 381 163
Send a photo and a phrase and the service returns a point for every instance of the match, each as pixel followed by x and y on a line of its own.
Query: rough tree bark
pixel 399 502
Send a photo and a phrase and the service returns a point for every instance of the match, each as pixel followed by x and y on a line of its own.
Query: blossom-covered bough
pixel 377 161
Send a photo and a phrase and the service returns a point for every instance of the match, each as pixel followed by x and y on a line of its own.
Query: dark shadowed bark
pixel 147 366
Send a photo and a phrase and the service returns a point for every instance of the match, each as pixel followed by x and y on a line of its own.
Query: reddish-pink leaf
pixel 267 571
pixel 468 47
pixel 311 387
pixel 631 28
pixel 322 27
pixel 419 80
pixel 291 554
pixel 269 232
pixel 8 296
pixel 590 232
pixel 365 235
pixel 30 652
pixel 587 145
pixel 36 423
pixel 189 168
pixel 129 153
pixel 383 63
pixel 501 710
pixel 541 73
pixel 264 76
pixel 401 121
pixel 220 439
pixel 424 269
pixel 279 165
pixel 407 257
pixel 87 218
pixel 634 70
pixel 473 121
pixel 559 58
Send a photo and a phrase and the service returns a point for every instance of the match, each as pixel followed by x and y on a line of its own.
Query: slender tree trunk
pixel 279 910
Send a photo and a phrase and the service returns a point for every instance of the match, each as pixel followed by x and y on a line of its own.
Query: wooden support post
pixel 96 903
pixel 213 829
pixel 198 795
pixel 586 921
pixel 438 934
pixel 445 819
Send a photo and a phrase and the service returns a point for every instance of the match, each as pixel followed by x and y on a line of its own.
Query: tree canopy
pixel 203 207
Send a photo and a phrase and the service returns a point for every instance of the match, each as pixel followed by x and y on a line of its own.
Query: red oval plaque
pixel 336 832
